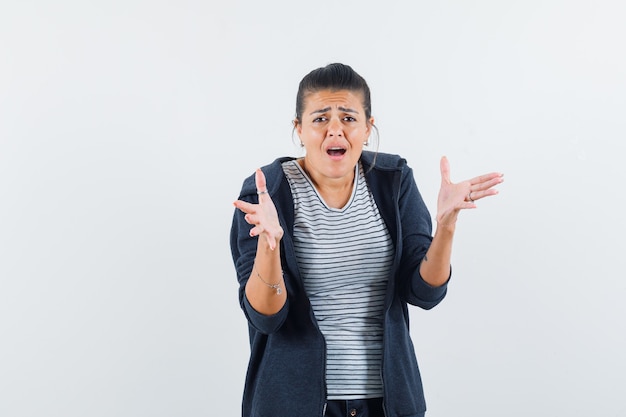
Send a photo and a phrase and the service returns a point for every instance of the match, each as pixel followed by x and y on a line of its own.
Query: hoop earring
pixel 293 138
pixel 374 138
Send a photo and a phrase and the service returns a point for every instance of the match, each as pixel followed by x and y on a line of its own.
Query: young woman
pixel 329 250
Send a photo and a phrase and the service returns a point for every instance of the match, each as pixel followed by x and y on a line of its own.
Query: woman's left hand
pixel 455 197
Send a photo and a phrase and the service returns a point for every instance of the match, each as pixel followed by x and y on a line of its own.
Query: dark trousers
pixel 372 407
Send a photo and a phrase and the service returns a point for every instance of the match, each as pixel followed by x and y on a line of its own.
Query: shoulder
pixel 383 161
pixel 273 176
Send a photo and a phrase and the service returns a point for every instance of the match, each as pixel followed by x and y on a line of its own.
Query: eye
pixel 349 119
pixel 320 119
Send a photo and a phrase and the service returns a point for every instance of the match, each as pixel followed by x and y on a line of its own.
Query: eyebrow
pixel 343 109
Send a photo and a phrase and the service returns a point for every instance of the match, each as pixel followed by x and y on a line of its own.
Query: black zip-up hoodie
pixel 286 370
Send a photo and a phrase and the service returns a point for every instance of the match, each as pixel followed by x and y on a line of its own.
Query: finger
pixel 486 184
pixel 486 177
pixel 271 241
pixel 251 219
pixel 258 230
pixel 444 166
pixel 477 195
pixel 259 179
pixel 483 192
pixel 245 206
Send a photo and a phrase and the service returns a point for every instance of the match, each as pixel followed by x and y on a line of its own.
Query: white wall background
pixel 126 128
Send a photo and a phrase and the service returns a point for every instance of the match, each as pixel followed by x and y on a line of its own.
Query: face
pixel 333 130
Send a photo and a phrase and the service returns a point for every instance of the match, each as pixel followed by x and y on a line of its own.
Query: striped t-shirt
pixel 345 258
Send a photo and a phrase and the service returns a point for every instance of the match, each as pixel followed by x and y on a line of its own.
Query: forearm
pixel 435 267
pixel 265 288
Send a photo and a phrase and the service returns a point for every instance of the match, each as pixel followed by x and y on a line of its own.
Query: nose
pixel 335 128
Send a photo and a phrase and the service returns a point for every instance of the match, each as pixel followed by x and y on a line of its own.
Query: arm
pixel 435 267
pixel 265 288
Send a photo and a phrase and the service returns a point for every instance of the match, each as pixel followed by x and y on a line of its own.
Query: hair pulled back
pixel 333 77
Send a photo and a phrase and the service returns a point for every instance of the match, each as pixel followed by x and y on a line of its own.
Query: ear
pixel 298 126
pixel 369 125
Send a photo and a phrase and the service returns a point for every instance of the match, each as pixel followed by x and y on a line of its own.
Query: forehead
pixel 334 98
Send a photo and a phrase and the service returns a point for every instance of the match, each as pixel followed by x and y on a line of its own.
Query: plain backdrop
pixel 127 128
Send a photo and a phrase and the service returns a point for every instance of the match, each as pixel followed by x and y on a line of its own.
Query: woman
pixel 329 250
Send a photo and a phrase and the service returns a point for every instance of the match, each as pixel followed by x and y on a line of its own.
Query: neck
pixel 336 192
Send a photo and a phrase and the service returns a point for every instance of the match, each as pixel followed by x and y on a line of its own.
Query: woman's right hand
pixel 263 215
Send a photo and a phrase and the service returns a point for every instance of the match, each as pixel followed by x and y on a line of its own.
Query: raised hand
pixel 263 215
pixel 455 197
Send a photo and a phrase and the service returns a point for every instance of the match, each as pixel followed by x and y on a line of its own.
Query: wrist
pixel 446 221
pixel 446 227
pixel 264 248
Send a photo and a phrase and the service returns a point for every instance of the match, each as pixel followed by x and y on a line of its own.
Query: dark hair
pixel 333 77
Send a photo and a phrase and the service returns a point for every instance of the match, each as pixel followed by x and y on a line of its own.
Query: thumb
pixel 444 166
pixel 259 179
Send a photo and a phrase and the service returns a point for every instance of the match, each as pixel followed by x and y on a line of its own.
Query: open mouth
pixel 335 151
